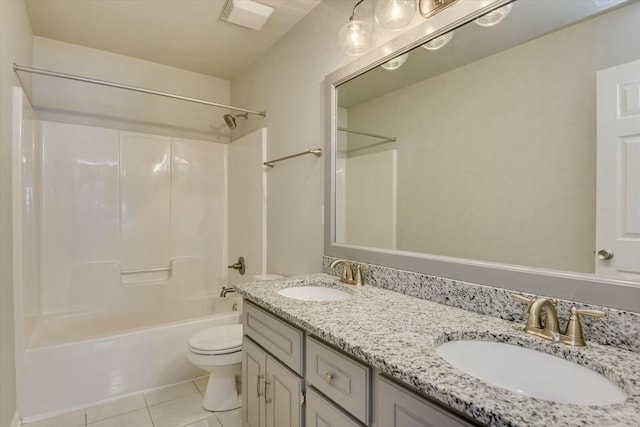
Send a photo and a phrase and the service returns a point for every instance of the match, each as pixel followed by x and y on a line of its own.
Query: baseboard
pixel 15 421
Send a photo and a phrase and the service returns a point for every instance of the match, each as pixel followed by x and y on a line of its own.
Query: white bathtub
pixel 73 361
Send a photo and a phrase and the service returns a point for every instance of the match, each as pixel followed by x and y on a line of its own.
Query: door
pixel 283 396
pixel 618 172
pixel 253 373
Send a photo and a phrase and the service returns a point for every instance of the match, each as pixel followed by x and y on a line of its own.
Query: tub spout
pixel 225 291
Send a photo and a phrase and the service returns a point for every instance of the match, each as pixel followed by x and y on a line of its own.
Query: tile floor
pixel 174 406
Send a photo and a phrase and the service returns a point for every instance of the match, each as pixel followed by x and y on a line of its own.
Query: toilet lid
pixel 216 339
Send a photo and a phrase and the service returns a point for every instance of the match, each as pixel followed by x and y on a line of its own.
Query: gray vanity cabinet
pixel 339 388
pixel 272 391
pixel 399 407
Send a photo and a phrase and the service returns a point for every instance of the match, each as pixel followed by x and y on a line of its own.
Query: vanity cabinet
pixel 279 362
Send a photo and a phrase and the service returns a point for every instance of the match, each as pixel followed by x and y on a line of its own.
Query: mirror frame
pixel 586 288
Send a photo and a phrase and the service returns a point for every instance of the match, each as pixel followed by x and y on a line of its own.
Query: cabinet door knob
pixel 605 254
pixel 328 377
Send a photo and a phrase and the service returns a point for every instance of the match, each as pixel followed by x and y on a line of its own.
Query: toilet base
pixel 223 393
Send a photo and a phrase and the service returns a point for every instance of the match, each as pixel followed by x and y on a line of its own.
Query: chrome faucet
pixel 551 331
pixel 225 291
pixel 347 275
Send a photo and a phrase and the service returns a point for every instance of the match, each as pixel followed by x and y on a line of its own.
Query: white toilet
pixel 219 351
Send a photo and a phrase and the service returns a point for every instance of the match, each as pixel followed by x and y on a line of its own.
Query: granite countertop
pixel 398 334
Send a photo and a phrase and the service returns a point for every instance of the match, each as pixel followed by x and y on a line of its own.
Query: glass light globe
pixel 396 62
pixel 394 14
pixel 355 37
pixel 494 17
pixel 438 42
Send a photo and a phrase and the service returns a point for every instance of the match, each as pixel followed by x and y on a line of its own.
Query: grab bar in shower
pixel 146 270
pixel 316 152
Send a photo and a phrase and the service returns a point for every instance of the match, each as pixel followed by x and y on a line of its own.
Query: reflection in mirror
pixel 483 145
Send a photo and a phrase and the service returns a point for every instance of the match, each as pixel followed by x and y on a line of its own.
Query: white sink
pixel 531 372
pixel 314 293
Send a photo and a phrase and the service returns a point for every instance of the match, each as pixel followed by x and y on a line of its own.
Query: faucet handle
pixel 573 336
pixel 588 312
pixel 522 299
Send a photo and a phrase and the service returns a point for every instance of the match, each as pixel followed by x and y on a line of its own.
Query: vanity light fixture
pixel 396 62
pixel 428 8
pixel 394 14
pixel 438 42
pixel 495 16
pixel 356 35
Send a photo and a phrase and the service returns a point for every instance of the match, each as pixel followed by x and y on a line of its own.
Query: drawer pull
pixel 260 376
pixel 328 377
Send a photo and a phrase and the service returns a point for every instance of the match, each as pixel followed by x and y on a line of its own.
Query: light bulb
pixel 355 37
pixel 396 62
pixel 438 42
pixel 394 14
pixel 494 17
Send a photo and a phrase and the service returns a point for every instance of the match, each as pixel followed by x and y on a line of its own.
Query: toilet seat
pixel 217 341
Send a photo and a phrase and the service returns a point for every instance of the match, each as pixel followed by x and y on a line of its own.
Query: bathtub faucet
pixel 225 291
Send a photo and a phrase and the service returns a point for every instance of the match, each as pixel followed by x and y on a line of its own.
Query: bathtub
pixel 76 360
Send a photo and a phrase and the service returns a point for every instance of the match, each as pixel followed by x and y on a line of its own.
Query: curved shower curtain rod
pixel 49 73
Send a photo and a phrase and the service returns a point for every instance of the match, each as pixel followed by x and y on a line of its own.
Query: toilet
pixel 219 351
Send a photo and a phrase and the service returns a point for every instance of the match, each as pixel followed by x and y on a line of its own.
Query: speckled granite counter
pixel 398 334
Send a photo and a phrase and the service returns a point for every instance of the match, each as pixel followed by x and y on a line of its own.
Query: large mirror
pixel 500 143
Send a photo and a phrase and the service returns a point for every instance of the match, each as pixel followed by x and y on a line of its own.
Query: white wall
pixel 521 177
pixel 15 46
pixel 288 82
pixel 82 103
pixel 247 205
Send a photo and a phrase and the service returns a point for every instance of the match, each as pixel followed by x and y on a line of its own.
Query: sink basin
pixel 531 372
pixel 314 293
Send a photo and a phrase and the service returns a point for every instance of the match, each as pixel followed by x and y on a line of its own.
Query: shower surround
pixel 121 248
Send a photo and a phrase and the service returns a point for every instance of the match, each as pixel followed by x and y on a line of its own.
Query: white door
pixel 618 157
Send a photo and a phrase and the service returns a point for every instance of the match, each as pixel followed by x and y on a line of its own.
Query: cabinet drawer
pixel 322 413
pixel 277 337
pixel 340 378
pixel 398 407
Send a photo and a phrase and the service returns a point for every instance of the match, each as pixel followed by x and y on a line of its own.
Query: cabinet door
pixel 253 374
pixel 283 396
pixel 398 407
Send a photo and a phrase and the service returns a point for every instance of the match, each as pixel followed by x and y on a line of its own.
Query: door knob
pixel 605 254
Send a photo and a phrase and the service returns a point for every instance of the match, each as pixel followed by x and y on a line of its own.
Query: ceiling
pixel 187 34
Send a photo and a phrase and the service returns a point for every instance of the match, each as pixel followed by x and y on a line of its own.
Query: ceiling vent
pixel 246 13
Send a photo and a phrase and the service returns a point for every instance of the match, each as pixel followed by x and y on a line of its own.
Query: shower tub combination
pixel 121 242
